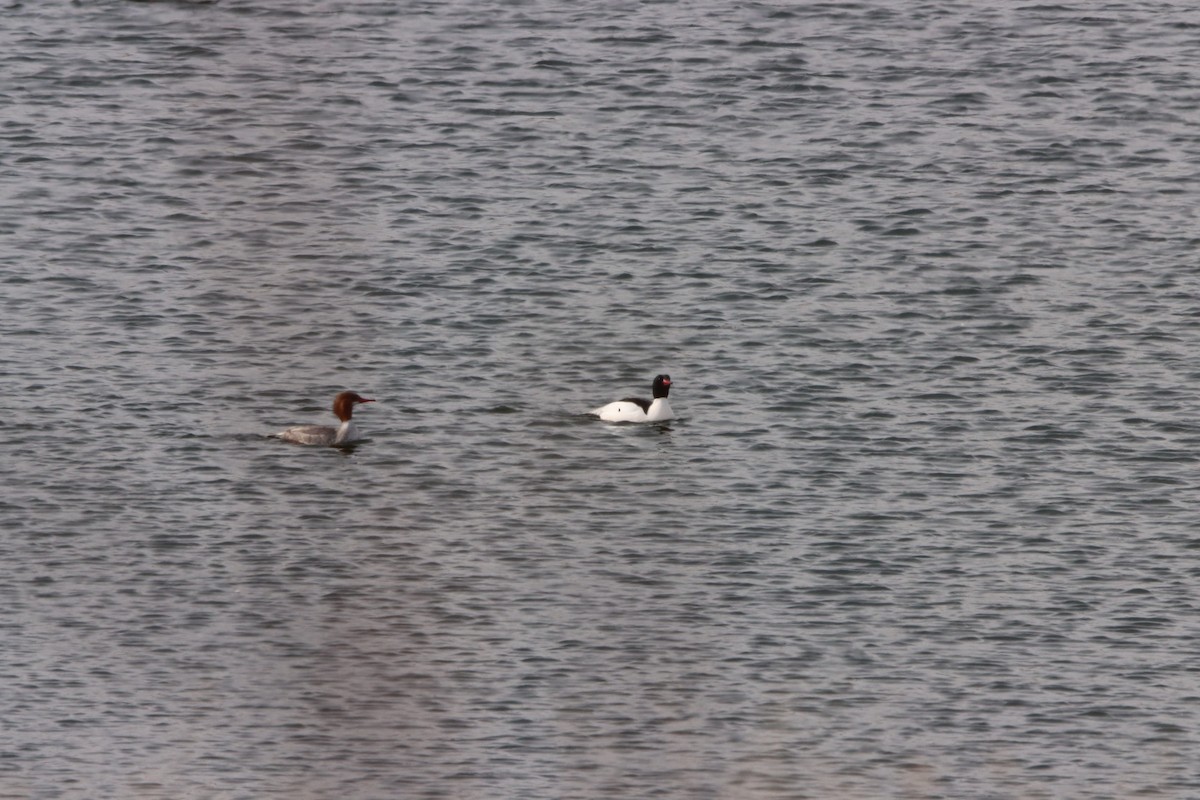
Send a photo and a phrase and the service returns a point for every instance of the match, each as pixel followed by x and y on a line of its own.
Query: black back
pixel 660 388
pixel 641 401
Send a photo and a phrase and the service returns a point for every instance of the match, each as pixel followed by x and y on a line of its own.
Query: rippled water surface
pixel 925 278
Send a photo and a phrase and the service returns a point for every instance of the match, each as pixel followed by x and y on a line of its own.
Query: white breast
pixel 624 411
pixel 660 410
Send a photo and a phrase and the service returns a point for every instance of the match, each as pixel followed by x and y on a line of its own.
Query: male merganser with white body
pixel 639 409
pixel 326 435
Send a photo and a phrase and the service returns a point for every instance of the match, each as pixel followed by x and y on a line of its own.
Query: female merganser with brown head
pixel 343 408
pixel 639 409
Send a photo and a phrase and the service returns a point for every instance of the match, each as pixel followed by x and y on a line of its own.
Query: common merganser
pixel 638 409
pixel 327 435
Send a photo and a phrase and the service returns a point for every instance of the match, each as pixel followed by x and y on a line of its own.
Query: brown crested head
pixel 343 404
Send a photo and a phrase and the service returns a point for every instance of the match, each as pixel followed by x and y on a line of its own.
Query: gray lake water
pixel 925 275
